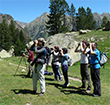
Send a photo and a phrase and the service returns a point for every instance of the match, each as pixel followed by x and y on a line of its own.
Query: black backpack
pixel 48 54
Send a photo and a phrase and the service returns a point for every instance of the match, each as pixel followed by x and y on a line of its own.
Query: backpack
pixel 69 61
pixel 48 54
pixel 103 58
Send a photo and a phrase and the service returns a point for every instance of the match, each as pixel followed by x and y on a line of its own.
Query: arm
pixel 39 51
pixel 76 50
pixel 85 52
pixel 92 52
pixel 82 49
pixel 26 55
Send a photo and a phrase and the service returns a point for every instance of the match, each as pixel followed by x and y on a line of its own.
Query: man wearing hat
pixel 38 72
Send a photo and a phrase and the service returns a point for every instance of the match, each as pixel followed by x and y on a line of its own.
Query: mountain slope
pixel 8 19
pixel 37 27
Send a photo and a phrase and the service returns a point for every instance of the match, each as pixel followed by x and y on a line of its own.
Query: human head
pixel 65 50
pixel 94 45
pixel 56 48
pixel 28 49
pixel 41 41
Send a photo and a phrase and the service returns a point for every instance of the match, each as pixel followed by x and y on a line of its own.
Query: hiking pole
pixel 18 66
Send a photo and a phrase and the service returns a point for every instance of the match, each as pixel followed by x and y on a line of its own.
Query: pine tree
pixel 90 23
pixel 104 21
pixel 81 18
pixel 84 19
pixel 57 22
pixel 72 13
pixel 12 32
pixel 5 36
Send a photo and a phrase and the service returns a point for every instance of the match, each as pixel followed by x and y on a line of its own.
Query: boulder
pixel 28 45
pixel 64 40
pixel 82 32
pixel 4 54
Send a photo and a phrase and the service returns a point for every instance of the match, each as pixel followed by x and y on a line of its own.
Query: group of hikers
pixel 61 56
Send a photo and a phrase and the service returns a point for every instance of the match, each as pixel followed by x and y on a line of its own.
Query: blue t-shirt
pixel 94 58
pixel 64 59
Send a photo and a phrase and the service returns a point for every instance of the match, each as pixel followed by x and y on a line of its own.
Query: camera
pixel 87 44
pixel 79 44
pixel 51 48
pixel 24 51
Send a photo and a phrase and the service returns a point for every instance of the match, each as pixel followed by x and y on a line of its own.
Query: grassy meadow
pixel 17 90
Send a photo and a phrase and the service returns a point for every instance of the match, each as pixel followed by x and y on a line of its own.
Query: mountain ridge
pixel 37 27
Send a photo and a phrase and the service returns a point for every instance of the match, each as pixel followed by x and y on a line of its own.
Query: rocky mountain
pixel 22 24
pixel 37 27
pixel 98 18
pixel 8 19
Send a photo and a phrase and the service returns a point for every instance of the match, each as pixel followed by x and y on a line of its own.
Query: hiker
pixel 64 65
pixel 55 63
pixel 95 68
pixel 84 70
pixel 30 59
pixel 38 72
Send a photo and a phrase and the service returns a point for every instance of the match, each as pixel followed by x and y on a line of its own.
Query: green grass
pixel 101 37
pixel 17 90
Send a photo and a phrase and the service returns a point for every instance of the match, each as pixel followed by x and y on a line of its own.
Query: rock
pixel 64 40
pixel 29 44
pixel 4 54
pixel 92 39
pixel 23 70
pixel 82 32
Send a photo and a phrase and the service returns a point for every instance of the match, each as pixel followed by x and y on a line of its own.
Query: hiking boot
pixel 95 95
pixel 41 94
pixel 59 80
pixel 68 84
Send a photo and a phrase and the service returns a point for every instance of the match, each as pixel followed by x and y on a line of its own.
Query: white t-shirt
pixel 84 58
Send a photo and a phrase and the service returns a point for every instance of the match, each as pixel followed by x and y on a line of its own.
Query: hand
pixel 36 42
pixel 24 54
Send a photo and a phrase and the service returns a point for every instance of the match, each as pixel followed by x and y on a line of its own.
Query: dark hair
pixel 86 42
pixel 65 50
pixel 96 44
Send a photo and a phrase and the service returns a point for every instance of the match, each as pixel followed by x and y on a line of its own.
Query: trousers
pixel 95 75
pixel 56 71
pixel 38 74
pixel 85 75
pixel 65 73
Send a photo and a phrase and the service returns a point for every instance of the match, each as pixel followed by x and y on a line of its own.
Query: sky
pixel 28 10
